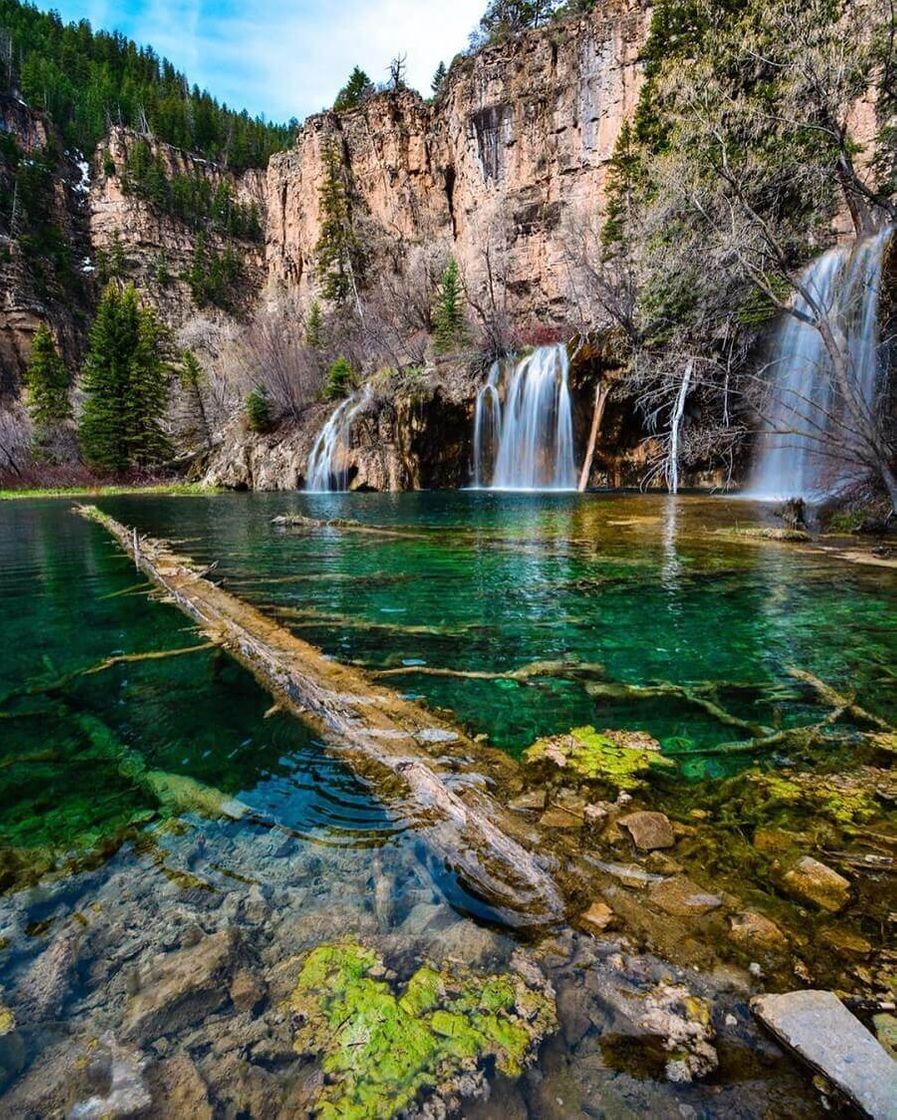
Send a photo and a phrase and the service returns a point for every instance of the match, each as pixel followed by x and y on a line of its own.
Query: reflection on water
pixel 646 585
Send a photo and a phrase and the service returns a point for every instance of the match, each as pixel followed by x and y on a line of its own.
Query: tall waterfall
pixel 812 430
pixel 328 466
pixel 523 427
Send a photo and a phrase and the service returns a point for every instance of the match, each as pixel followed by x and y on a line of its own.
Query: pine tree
pixel 149 392
pixel 125 382
pixel 439 79
pixel 47 380
pixel 339 256
pixel 258 410
pixel 448 314
pixel 358 87
pixel 340 380
pixel 314 327
pixel 194 382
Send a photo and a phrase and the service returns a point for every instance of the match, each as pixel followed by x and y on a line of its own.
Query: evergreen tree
pixel 314 327
pixel 448 314
pixel 258 410
pixel 358 87
pixel 125 382
pixel 340 380
pixel 510 17
pixel 194 382
pixel 149 446
pixel 439 78
pixel 339 256
pixel 47 380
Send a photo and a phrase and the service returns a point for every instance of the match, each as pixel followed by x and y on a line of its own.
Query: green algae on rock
pixel 381 1051
pixel 623 759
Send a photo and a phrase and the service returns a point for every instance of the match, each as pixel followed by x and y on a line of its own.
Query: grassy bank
pixel 168 489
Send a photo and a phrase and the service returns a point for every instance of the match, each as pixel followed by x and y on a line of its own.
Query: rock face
pixel 818 1027
pixel 418 441
pixel 515 133
pixel 33 287
pixel 158 248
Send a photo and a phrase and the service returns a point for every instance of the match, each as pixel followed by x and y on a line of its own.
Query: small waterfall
pixel 810 439
pixel 523 426
pixel 328 466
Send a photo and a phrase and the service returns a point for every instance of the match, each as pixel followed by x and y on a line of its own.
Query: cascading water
pixel 813 430
pixel 523 427
pixel 328 467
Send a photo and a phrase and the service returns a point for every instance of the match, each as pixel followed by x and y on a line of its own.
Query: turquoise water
pixel 69 599
pixel 96 863
pixel 647 586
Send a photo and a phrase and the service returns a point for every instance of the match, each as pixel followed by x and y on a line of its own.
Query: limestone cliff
pixel 45 273
pixel 514 149
pixel 157 248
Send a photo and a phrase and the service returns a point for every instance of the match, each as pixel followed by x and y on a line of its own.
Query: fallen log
pixel 380 736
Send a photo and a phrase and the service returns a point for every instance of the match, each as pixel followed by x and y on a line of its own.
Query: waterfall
pixel 676 429
pixel 328 467
pixel 812 431
pixel 523 426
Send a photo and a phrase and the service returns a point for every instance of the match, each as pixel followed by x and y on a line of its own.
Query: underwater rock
pixel 649 831
pixel 682 898
pixel 382 1052
pixel 683 1021
pixel 128 1094
pixel 808 880
pixel 846 944
pixel 556 817
pixel 754 932
pixel 818 1028
pixel 886 1031
pixel 12 1048
pixel 178 1090
pixel 247 991
pixel 622 759
pixel 46 985
pixel 532 799
pixel 182 987
pixel 598 917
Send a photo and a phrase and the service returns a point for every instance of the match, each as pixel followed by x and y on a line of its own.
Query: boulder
pixel 813 882
pixel 754 932
pixel 598 917
pixel 682 898
pixel 182 987
pixel 649 831
pixel 532 799
pixel 819 1029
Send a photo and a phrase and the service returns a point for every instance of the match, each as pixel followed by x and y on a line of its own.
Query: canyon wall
pixel 157 248
pixel 498 170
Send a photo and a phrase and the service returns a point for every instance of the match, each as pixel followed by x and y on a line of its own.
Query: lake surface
pixel 647 586
pixel 101 847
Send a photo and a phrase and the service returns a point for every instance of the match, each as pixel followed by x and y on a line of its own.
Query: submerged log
pixel 380 736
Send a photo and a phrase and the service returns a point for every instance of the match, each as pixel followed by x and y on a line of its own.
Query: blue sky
pixel 284 58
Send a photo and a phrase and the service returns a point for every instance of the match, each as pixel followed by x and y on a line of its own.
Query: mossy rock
pixel 381 1052
pixel 7 1020
pixel 623 759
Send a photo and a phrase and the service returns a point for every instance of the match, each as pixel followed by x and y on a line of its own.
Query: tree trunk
pixel 602 392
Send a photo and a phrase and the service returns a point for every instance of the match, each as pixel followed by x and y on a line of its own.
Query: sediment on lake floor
pixel 389 742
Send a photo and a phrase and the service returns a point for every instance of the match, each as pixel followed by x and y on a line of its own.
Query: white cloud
pixel 289 59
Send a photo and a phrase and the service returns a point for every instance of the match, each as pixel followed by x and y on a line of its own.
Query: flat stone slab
pixel 819 1028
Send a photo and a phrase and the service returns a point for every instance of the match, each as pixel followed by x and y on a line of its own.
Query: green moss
pixel 381 1052
pixel 7 1021
pixel 623 759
